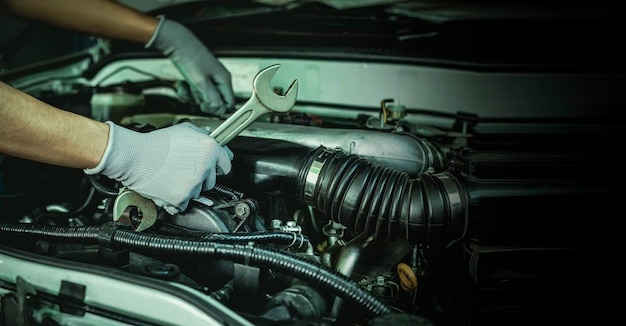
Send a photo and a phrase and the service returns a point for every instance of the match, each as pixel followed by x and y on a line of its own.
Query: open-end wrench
pixel 146 209
pixel 262 101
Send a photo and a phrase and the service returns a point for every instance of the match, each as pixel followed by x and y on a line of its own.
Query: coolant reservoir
pixel 115 103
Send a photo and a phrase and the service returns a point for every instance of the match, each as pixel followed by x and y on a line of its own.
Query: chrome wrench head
pixel 267 97
pixel 263 100
pixel 128 199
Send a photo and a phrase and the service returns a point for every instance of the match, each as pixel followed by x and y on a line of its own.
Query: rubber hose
pixel 70 214
pixel 100 188
pixel 431 209
pixel 223 294
pixel 284 262
pixel 117 237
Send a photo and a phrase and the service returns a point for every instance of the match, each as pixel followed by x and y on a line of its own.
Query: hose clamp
pixel 313 175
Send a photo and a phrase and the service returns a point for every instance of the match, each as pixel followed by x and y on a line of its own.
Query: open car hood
pixel 444 164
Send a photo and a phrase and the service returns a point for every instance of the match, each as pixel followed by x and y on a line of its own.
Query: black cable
pixel 101 188
pixel 225 191
pixel 75 234
pixel 290 239
pixel 223 295
pixel 139 71
pixel 286 238
pixel 259 224
pixel 285 262
pixel 70 214
pixel 117 236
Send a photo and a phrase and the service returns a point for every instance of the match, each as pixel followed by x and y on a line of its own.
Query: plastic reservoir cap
pixel 408 280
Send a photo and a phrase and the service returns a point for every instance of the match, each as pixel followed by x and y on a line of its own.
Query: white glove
pixel 209 80
pixel 170 165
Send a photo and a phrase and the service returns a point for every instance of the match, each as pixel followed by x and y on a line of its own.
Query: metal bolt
pixel 276 224
pixel 242 210
pixel 291 224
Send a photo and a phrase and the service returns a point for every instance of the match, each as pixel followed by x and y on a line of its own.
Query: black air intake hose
pixel 431 209
pixel 118 237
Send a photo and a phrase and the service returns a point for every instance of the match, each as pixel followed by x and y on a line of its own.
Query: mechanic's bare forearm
pixel 95 17
pixel 34 130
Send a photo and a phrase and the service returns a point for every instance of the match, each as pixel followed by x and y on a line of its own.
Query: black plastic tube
pixel 289 239
pixel 119 237
pixel 101 188
pixel 75 234
pixel 59 215
pixel 430 209
pixel 225 191
pixel 284 262
pixel 223 294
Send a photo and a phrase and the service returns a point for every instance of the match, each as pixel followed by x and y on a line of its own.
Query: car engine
pixel 344 224
pixel 354 208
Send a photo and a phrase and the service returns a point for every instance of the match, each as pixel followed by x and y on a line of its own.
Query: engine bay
pixel 396 191
pixel 337 221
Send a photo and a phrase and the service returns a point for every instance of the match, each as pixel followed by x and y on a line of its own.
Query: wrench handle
pixel 238 121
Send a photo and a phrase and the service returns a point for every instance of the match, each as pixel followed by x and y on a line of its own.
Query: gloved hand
pixel 169 165
pixel 208 79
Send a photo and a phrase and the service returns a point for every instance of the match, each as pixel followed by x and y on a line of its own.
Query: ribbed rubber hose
pixel 117 237
pixel 316 275
pixel 431 209
pixel 75 234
